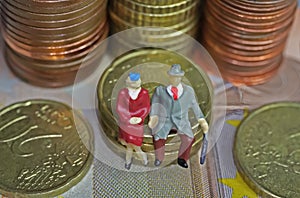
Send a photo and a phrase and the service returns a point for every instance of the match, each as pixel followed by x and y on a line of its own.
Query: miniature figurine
pixel 133 105
pixel 169 110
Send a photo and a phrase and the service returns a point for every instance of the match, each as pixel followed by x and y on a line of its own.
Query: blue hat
pixel 175 70
pixel 134 76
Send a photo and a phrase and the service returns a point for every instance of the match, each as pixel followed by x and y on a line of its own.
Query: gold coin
pixel 160 19
pixel 50 7
pixel 42 151
pixel 267 150
pixel 68 15
pixel 183 48
pixel 79 15
pixel 153 68
pixel 158 2
pixel 156 34
pixel 120 22
pixel 153 9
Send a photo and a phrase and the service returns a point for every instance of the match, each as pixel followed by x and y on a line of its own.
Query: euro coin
pixel 267 150
pixel 43 153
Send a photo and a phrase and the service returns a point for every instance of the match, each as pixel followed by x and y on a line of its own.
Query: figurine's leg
pixel 159 146
pixel 129 151
pixel 123 142
pixel 141 154
pixel 184 150
pixel 185 146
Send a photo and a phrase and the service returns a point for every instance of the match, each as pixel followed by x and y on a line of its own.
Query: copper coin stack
pixel 246 38
pixel 171 15
pixel 47 41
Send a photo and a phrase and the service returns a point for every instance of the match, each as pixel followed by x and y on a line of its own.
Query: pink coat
pixel 127 108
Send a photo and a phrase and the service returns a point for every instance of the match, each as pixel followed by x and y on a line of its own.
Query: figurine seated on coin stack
pixel 133 106
pixel 169 110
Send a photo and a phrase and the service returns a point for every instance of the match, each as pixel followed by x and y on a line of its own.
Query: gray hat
pixel 175 70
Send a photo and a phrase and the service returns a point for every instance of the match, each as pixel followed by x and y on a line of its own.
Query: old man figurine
pixel 169 110
pixel 133 106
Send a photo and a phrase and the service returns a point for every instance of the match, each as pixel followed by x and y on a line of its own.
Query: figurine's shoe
pixel 182 163
pixel 157 162
pixel 128 166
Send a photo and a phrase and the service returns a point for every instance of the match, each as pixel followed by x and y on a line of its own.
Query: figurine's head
pixel 175 74
pixel 133 81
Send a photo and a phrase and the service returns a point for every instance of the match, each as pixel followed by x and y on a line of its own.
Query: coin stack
pixel 153 73
pixel 247 38
pixel 169 15
pixel 48 40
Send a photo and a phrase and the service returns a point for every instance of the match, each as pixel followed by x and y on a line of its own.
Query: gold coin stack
pixel 169 15
pixel 48 40
pixel 153 73
pixel 247 38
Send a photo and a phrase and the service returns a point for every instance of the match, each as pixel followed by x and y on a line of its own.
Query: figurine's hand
pixel 203 125
pixel 153 121
pixel 135 120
